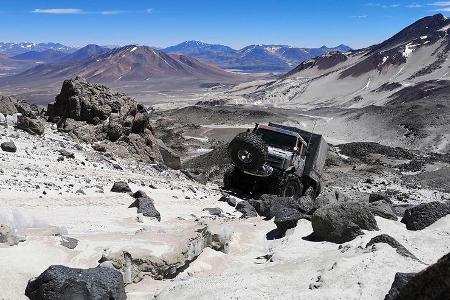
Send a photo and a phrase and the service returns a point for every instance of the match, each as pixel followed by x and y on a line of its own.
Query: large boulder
pixel 120 187
pixel 11 105
pixel 425 214
pixel 145 206
pixel 93 113
pixel 287 212
pixel 82 101
pixel 8 147
pixel 247 210
pixel 400 280
pixel 383 209
pixel 433 283
pixel 342 222
pixel 61 282
pixel 7 106
pixel 32 126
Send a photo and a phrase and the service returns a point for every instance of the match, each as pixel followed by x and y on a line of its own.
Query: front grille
pixel 275 161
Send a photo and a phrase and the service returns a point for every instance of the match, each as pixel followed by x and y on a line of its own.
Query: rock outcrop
pixel 425 214
pixel 145 205
pixel 383 209
pixel 93 113
pixel 387 239
pixel 342 222
pixel 61 282
pixel 120 187
pixel 433 283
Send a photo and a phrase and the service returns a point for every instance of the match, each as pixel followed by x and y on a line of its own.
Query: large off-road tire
pixel 291 186
pixel 248 151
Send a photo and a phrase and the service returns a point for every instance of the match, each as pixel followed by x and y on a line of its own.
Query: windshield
pixel 277 139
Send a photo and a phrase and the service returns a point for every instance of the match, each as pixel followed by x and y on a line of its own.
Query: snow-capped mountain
pixel 129 63
pixel 262 58
pixel 402 83
pixel 12 49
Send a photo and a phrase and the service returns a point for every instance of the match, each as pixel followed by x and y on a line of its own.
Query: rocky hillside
pixel 400 82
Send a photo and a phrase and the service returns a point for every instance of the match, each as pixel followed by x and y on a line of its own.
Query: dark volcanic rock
pixel 214 211
pixel 146 207
pixel 60 282
pixel 387 239
pixel 32 126
pixel 68 242
pixel 433 283
pixel 120 187
pixel 425 214
pixel 383 209
pixel 374 197
pixel 342 222
pixel 247 210
pixel 8 147
pixel 287 212
pixel 83 101
pixel 93 113
pixel 400 280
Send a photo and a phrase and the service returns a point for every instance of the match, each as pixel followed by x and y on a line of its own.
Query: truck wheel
pixel 291 187
pixel 248 151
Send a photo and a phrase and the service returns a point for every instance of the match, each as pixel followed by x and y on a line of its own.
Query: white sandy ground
pixel 102 222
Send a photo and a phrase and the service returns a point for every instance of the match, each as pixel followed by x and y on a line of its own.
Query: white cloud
pixel 112 12
pixel 359 17
pixel 58 11
pixel 443 9
pixel 440 3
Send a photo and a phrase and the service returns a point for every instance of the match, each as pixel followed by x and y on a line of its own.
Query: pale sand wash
pixel 253 268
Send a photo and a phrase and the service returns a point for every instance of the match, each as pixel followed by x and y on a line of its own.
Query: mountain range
pixel 401 83
pixel 128 63
pixel 253 58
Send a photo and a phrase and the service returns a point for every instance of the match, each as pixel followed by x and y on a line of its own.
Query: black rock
pixel 120 187
pixel 61 282
pixel 140 194
pixel 374 197
pixel 146 207
pixel 400 280
pixel 287 212
pixel 387 239
pixel 247 210
pixel 8 147
pixel 425 214
pixel 68 242
pixel 214 211
pixel 383 209
pixel 342 222
pixel 433 283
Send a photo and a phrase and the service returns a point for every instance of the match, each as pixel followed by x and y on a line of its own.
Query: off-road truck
pixel 276 159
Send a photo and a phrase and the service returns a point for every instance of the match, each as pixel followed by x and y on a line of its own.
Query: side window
pixel 303 150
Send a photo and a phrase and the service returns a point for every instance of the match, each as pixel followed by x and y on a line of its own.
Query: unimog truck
pixel 276 159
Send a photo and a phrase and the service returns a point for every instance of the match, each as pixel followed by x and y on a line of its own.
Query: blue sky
pixel 304 23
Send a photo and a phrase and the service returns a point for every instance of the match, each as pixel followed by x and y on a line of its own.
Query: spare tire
pixel 248 151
